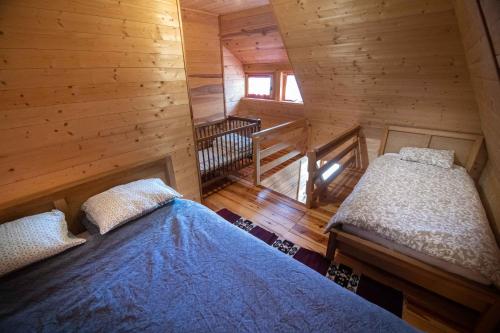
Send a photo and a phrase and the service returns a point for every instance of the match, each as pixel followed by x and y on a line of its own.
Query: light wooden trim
pixel 268 166
pixel 323 184
pixel 279 129
pixel 337 158
pixel 278 133
pixel 311 169
pixel 405 270
pixel 315 184
pixel 284 79
pixel 257 172
pixel 338 140
pixel 274 149
pixel 69 197
pixel 476 139
pixel 223 71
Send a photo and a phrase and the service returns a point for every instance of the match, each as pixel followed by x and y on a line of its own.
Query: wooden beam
pixel 268 166
pixel 283 128
pixel 274 149
pixel 337 158
pixel 311 168
pixel 256 162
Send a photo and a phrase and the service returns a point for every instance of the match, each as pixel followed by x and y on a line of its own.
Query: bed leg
pixel 489 319
pixel 332 245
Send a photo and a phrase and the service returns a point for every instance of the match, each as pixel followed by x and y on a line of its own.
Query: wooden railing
pixel 349 155
pixel 290 137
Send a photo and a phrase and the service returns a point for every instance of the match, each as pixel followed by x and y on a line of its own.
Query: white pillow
pixel 33 238
pixel 440 158
pixel 124 203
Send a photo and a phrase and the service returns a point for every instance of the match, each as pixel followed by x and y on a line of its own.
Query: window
pixel 260 86
pixel 291 92
pixel 330 171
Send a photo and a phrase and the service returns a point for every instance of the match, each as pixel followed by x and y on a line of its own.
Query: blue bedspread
pixel 181 269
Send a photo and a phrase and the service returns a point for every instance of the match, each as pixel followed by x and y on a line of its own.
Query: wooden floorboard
pixel 280 214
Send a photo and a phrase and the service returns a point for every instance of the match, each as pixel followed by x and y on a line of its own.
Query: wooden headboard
pixel 70 197
pixel 468 147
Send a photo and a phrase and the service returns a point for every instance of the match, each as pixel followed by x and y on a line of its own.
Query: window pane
pixel 259 85
pixel 292 92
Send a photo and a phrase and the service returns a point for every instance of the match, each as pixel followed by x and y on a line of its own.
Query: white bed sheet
pixel 210 161
pixel 431 210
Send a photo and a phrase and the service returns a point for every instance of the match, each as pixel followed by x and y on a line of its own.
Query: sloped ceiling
pixel 482 45
pixel 253 36
pixel 222 6
pixel 378 63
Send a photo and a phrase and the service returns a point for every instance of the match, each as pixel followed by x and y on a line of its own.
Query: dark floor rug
pixel 384 296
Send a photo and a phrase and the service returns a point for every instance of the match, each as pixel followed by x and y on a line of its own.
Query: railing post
pixel 311 169
pixel 256 161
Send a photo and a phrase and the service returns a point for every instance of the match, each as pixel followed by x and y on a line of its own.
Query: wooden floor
pixel 280 214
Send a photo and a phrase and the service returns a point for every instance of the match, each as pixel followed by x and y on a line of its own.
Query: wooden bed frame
pixel 70 197
pixel 463 302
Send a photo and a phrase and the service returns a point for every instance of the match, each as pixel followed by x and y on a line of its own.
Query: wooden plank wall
pixel 377 63
pixel 253 36
pixel 485 80
pixel 234 81
pixel 271 113
pixel 87 86
pixel 204 64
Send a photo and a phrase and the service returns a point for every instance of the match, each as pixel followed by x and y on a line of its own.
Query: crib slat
pixel 229 156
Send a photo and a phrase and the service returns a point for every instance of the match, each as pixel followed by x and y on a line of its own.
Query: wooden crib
pixel 224 146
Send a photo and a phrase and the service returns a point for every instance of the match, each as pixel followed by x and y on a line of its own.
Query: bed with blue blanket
pixel 181 268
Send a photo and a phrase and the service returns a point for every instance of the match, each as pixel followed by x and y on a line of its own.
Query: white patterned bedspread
pixel 433 210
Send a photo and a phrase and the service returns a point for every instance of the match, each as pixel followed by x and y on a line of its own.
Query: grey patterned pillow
pixel 124 203
pixel 33 238
pixel 440 158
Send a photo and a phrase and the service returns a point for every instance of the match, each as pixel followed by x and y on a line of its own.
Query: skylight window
pixel 291 92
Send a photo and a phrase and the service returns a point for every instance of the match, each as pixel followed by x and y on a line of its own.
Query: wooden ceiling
pixel 253 36
pixel 378 63
pixel 222 6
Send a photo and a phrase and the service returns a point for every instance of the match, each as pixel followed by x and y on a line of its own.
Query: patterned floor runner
pixel 386 297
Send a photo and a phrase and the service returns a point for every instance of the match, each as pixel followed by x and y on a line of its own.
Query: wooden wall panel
pixel 223 6
pixel 234 81
pixel 89 86
pixel 378 63
pixel 204 64
pixel 486 83
pixel 271 113
pixel 253 36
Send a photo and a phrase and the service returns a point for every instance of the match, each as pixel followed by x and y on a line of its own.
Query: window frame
pixel 284 78
pixel 266 75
